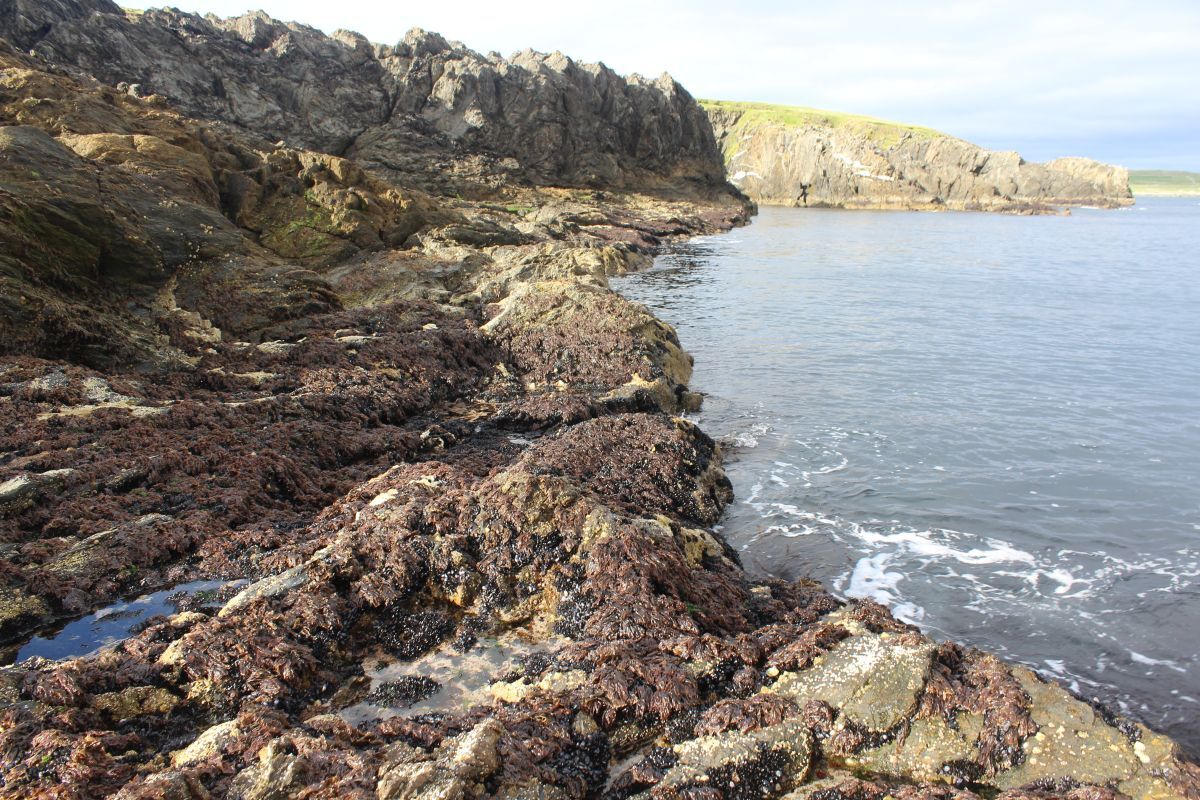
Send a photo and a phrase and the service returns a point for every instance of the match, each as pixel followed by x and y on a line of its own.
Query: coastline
pixel 445 457
pixel 700 675
pixel 800 157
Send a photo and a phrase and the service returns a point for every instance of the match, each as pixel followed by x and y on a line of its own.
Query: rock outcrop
pixel 467 546
pixel 435 112
pixel 788 156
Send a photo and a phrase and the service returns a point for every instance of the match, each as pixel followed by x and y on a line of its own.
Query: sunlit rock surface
pixel 464 541
pixel 779 155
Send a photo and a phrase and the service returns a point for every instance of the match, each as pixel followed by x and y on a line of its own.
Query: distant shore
pixel 1164 183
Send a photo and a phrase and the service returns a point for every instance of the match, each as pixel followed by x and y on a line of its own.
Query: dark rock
pixel 426 108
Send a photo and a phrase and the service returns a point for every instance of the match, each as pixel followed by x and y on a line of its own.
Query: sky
pixel 1116 80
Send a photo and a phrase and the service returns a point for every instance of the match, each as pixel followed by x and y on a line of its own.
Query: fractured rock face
pixel 424 107
pixel 791 157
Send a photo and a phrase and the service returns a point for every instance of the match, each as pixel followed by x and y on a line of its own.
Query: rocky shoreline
pixel 806 158
pixel 399 406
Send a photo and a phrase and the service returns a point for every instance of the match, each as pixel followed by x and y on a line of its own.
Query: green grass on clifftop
pixel 1161 181
pixel 883 132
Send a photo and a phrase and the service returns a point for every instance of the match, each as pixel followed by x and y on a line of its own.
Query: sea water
pixel 990 423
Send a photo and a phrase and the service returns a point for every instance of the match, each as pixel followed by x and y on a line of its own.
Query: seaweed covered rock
pixel 460 545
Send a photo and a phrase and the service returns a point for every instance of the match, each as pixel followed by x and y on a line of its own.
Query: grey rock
pixel 275 585
pixel 19 493
pixel 455 770
pixel 874 681
pixel 432 110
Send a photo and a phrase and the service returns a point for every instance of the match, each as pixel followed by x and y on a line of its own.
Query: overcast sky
pixel 1114 80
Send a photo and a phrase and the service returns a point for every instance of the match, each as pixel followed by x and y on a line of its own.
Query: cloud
pixel 1051 76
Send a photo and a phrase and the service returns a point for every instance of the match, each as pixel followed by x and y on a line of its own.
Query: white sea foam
pixel 893 550
pixel 838 467
pixel 937 544
pixel 1156 662
pixel 872 578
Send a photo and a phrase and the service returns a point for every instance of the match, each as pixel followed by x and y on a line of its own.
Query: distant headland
pixel 794 156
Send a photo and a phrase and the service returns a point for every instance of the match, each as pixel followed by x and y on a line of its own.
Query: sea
pixel 989 423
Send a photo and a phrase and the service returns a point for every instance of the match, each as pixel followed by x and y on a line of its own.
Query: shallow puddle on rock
pixel 465 678
pixel 113 623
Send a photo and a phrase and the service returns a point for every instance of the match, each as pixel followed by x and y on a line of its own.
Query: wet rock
pixel 19 493
pixel 208 744
pixel 136 701
pixel 433 441
pixel 20 610
pixel 584 335
pixel 273 586
pixel 929 750
pixel 456 770
pixel 874 680
pixel 1074 742
pixel 761 764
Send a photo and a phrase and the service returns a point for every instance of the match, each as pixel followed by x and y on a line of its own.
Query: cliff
pixel 456 540
pixel 434 112
pixel 781 155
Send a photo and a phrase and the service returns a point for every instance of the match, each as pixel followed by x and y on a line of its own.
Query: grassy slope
pixel 1157 181
pixel 883 132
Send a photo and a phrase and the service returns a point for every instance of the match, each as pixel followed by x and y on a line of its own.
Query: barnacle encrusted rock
pixel 758 764
pixel 370 380
pixel 874 679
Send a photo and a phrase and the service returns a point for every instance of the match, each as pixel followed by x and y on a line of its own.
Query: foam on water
pixel 986 422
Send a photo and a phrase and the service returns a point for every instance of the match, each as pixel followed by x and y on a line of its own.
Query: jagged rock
pixel 209 743
pixel 416 107
pixel 278 775
pixel 797 157
pixel 274 585
pixel 424 429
